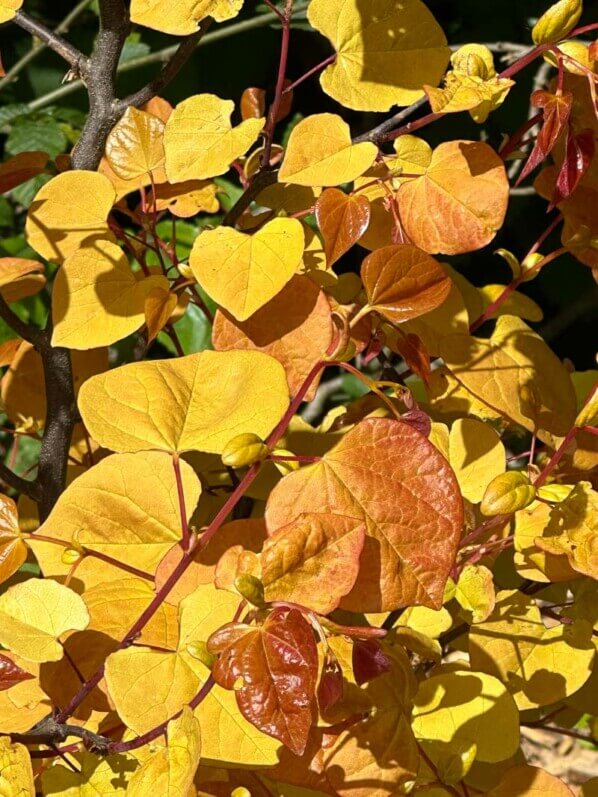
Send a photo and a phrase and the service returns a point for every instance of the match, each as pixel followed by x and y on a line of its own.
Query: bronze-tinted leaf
pixel 389 475
pixel 403 282
pixel 342 219
pixel 21 168
pixel 11 673
pixel 278 665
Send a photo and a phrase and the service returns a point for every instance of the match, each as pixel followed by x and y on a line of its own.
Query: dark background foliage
pixel 32 118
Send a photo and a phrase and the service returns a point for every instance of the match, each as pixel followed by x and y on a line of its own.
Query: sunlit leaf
pixel 182 17
pixel 277 663
pixel 459 203
pixel 475 592
pixel 97 299
pixel 466 708
pixel 199 140
pixel 403 282
pixel 170 771
pixel 243 272
pixel 319 152
pixel 557 21
pixel 476 455
pixel 313 561
pixel 94 775
pixel 386 51
pixel 13 550
pixel 412 529
pixel 130 409
pixel 342 219
pixel 127 507
pixel 514 645
pixel 16 774
pixel 529 781
pixel 135 144
pixel 34 614
pixel 68 212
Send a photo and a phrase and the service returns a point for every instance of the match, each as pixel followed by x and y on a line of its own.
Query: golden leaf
pixel 475 592
pixel 105 777
pixel 528 781
pixel 97 299
pixel 295 327
pixel 199 140
pixel 16 774
pixel 8 9
pixel 182 17
pixel 34 614
pixel 69 212
pixel 170 771
pixel 513 644
pixel 126 506
pixel 477 455
pixel 466 708
pixel 13 550
pixel 131 409
pixel 135 147
pixel 320 153
pixel 507 493
pixel 504 371
pixel 386 51
pixel 243 272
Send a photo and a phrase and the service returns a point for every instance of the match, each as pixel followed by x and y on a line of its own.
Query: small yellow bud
pixel 507 493
pixel 557 22
pixel 70 556
pixel 243 450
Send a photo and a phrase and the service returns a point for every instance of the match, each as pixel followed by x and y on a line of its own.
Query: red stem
pixel 186 539
pixel 556 457
pixel 330 60
pixel 282 68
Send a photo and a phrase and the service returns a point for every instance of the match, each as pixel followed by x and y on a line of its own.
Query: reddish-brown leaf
pixel 278 666
pixel 11 674
pixel 403 282
pixel 253 103
pixel 342 220
pixel 412 349
pixel 579 153
pixel 557 110
pixel 369 660
pixel 330 687
pixel 20 168
pixel 384 472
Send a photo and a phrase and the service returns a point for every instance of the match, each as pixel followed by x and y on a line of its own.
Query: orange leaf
pixel 278 666
pixel 459 203
pixel 342 220
pixel 386 473
pixel 295 327
pixel 21 168
pixel 402 282
pixel 313 561
pixel 13 550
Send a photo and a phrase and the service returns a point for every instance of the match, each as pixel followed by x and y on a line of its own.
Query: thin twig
pixel 39 47
pixel 77 60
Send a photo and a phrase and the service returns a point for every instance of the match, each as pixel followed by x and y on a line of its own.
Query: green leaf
pixel 42 135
